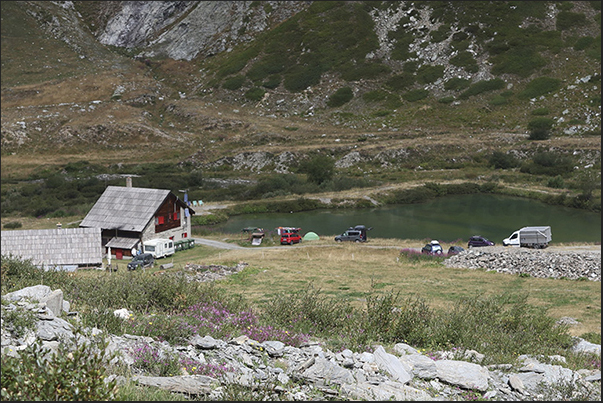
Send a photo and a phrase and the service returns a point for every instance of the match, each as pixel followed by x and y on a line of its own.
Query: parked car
pixel 289 238
pixel 142 260
pixel 432 248
pixel 356 234
pixel 455 250
pixel 478 240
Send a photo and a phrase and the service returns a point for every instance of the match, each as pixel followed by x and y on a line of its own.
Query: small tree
pixel 319 169
pixel 540 128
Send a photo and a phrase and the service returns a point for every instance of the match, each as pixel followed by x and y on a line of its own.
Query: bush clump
pixel 75 372
pixel 234 83
pixel 540 128
pixel 540 86
pixel 340 97
pixel 483 86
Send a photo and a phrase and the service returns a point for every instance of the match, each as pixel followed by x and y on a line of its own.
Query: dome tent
pixel 310 236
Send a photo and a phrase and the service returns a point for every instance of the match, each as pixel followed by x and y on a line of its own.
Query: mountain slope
pixel 236 89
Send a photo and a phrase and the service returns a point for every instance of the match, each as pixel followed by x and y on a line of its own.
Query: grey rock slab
pixel 463 374
pixel 36 292
pixel 422 366
pixel 392 365
pixel 54 302
pixel 50 330
pixel 386 391
pixel 189 384
pixel 584 346
pixel 325 372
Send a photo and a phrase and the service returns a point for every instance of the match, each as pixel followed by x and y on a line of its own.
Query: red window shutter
pixel 160 220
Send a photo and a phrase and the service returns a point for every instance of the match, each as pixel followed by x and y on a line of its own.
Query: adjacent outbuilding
pixel 58 249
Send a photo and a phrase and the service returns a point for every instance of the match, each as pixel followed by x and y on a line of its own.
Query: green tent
pixel 310 236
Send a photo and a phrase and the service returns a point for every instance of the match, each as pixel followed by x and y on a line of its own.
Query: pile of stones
pixel 534 262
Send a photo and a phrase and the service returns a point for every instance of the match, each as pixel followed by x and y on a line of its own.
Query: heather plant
pixel 157 362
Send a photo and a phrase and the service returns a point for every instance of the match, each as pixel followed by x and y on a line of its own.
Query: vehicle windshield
pixel 137 258
pixel 149 248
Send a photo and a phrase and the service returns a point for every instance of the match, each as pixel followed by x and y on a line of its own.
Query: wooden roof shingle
pixel 125 208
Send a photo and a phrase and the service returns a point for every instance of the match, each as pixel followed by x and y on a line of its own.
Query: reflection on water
pixel 446 218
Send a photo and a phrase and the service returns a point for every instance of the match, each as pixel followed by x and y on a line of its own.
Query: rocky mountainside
pixel 213 77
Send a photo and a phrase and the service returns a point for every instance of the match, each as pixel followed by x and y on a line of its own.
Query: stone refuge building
pixel 59 249
pixel 128 216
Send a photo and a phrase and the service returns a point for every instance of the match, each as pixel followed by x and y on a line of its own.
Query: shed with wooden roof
pixel 128 216
pixel 60 248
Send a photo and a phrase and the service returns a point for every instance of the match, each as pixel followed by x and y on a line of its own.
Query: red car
pixel 290 238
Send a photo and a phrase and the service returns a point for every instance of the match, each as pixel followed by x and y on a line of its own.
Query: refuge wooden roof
pixel 55 247
pixel 125 208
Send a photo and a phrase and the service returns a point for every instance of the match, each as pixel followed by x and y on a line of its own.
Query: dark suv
pixel 356 234
pixel 141 261
pixel 478 240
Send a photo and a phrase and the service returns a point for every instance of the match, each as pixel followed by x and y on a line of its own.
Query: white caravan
pixel 159 247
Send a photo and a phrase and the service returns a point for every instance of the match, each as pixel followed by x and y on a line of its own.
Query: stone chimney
pixel 128 181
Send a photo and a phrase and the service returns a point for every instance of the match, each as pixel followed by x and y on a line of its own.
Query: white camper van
pixel 530 237
pixel 159 247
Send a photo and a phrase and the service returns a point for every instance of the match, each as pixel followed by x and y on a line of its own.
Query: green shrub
pixel 584 43
pixel 466 61
pixel 457 84
pixel 428 74
pixel 498 100
pixel 234 83
pixel 415 95
pixel 400 82
pixel 540 111
pixel 12 225
pixel 500 160
pixel 319 169
pixel 237 60
pixel 548 163
pixel 568 20
pixel 340 97
pixel 270 65
pixel 75 372
pixel 298 78
pixel 374 96
pixel 521 61
pixel 355 72
pixel 272 82
pixel 483 86
pixel 556 182
pixel 209 219
pixel 540 86
pixel 540 128
pixel 446 100
pixel 255 94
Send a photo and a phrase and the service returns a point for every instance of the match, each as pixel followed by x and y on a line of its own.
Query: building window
pixel 159 220
pixel 175 215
